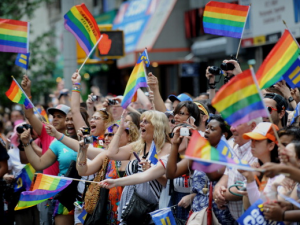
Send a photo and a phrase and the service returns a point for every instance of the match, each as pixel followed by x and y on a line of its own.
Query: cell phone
pixel 136 156
pixel 184 131
pixel 86 130
pixel 191 120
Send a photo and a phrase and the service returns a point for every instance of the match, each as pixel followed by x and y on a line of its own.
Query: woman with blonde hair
pixel 154 127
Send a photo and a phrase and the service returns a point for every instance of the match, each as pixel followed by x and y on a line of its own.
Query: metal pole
pixel 69 48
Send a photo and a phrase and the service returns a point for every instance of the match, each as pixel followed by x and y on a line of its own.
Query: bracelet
pixel 76 91
pixel 283 215
pixel 25 145
pixel 61 137
pixel 82 163
pixel 76 84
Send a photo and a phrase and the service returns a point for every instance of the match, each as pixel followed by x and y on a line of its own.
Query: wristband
pixel 61 137
pixel 76 84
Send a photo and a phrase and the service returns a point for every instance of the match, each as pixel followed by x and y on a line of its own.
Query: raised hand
pixel 152 82
pixel 76 78
pixel 50 129
pixel 25 136
pixel 26 84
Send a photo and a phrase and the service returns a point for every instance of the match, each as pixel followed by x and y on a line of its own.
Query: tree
pixel 41 61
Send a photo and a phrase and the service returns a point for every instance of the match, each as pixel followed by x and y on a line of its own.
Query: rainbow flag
pixel 80 22
pixel 45 187
pixel 281 62
pixel 136 80
pixel 239 101
pixel 225 19
pixel 144 57
pixel 41 111
pixel 24 179
pixel 209 159
pixel 16 94
pixel 14 36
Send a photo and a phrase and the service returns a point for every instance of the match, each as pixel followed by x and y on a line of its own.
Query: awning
pixel 159 27
pixel 216 46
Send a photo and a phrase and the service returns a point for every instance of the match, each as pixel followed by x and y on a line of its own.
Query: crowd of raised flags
pixel 239 101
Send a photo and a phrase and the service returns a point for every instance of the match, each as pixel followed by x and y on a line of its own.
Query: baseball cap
pixel 169 113
pixel 281 102
pixel 262 131
pixel 61 108
pixel 182 97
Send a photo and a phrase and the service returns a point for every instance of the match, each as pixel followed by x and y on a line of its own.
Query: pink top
pixel 46 140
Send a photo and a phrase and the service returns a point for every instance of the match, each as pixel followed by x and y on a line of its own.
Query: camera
pixel 184 131
pixel 112 102
pixel 88 140
pixel 215 70
pixel 228 66
pixel 86 130
pixel 95 98
pixel 20 129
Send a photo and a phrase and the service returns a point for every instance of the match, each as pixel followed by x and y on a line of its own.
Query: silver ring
pixel 267 209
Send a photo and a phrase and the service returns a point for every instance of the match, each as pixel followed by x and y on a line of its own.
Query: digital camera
pixel 215 70
pixel 112 102
pixel 20 129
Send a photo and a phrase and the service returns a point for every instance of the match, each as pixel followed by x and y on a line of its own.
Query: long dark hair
pixel 192 108
pixel 223 125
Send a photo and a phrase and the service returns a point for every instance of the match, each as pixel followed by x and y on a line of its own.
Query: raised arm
pixel 72 143
pixel 39 163
pixel 158 101
pixel 114 151
pixel 151 174
pixel 33 120
pixel 75 102
pixel 84 167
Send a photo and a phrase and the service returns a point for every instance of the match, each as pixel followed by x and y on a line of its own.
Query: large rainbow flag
pixel 209 159
pixel 225 19
pixel 24 179
pixel 137 79
pixel 239 101
pixel 45 187
pixel 14 36
pixel 281 62
pixel 80 22
pixel 16 94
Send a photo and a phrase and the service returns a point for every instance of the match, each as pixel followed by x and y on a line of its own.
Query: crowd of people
pixel 103 142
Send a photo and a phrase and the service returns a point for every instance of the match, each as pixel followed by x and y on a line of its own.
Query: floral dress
pixel 200 180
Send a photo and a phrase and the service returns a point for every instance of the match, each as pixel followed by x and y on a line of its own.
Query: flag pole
pixel 261 96
pixel 237 53
pixel 68 178
pixel 90 53
pixel 291 33
pixel 148 88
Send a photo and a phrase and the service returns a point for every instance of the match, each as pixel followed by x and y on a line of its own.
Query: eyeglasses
pixel 270 109
pixel 96 118
pixel 182 114
pixel 109 135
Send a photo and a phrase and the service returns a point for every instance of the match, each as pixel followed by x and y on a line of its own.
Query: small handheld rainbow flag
pixel 239 101
pixel 16 94
pixel 80 22
pixel 209 159
pixel 45 187
pixel 225 19
pixel 153 158
pixel 24 179
pixel 14 36
pixel 282 62
pixel 42 112
pixel 136 80
pixel 144 57
pixel 22 60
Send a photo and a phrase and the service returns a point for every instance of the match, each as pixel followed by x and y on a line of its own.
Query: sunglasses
pixel 109 134
pixel 270 109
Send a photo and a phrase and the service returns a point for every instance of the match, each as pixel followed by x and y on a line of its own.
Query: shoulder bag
pixel 137 210
pixel 93 192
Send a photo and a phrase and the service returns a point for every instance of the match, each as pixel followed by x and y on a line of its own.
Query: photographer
pixel 228 68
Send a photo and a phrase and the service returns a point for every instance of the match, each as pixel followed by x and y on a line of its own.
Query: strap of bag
pixel 209 208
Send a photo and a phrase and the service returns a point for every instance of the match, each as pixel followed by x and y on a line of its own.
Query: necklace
pixel 145 154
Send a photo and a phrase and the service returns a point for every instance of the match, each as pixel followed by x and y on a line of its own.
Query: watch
pixel 290 99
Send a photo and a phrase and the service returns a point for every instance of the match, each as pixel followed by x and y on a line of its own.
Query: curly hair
pixel 161 126
pixel 133 131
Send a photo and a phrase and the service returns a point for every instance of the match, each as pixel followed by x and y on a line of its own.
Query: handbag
pixel 206 215
pixel 99 215
pixel 93 192
pixel 137 210
pixel 67 197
